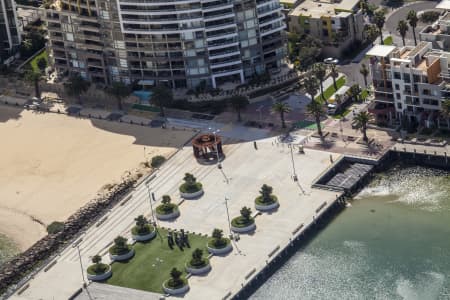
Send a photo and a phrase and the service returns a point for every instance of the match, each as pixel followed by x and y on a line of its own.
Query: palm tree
pixel 413 19
pixel 311 86
pixel 239 103
pixel 334 75
pixel 402 28
pixel 33 77
pixel 76 86
pixel 364 72
pixel 119 90
pixel 162 96
pixel 320 71
pixel 315 108
pixel 378 19
pixel 281 108
pixel 360 121
pixel 354 92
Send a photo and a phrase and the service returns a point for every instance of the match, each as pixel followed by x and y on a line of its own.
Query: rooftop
pixel 381 50
pixel 317 9
pixel 445 4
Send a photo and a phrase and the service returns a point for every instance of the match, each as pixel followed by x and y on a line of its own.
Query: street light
pixel 228 216
pixel 151 204
pixel 77 245
pixel 219 165
pixel 293 165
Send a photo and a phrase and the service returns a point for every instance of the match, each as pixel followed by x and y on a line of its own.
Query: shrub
pixel 157 161
pixel 197 260
pixel 246 213
pixel 55 227
pixel 218 241
pixel 244 219
pixel 97 267
pixel 190 184
pixel 166 207
pixel 142 227
pixel 429 16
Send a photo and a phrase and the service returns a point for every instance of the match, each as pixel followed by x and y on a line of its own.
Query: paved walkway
pixel 244 171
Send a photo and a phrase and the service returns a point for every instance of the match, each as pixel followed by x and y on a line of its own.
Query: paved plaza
pixel 245 169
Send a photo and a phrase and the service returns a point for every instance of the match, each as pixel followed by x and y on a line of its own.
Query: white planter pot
pixel 143 238
pixel 220 251
pixel 123 256
pixel 191 195
pixel 100 277
pixel 173 215
pixel 246 229
pixel 267 207
pixel 198 271
pixel 177 291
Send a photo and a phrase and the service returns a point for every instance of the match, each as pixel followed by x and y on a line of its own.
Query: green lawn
pixel 330 90
pixel 388 41
pixel 152 263
pixel 306 124
pixel 33 62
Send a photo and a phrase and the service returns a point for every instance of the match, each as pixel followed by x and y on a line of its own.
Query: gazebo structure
pixel 208 148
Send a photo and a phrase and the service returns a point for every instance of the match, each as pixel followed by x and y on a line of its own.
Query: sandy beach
pixel 52 164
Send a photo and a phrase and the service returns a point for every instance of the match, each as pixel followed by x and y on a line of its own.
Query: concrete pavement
pixel 245 169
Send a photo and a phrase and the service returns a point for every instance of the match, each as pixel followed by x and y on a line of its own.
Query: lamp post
pixel 77 245
pixel 219 165
pixel 151 204
pixel 293 165
pixel 228 216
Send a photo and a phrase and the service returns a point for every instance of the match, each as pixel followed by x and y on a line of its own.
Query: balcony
pixel 381 108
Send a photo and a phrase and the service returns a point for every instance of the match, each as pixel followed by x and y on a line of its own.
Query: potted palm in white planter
pixel 190 188
pixel 218 244
pixel 198 264
pixel 121 250
pixel 98 271
pixel 143 231
pixel 243 223
pixel 176 285
pixel 266 201
pixel 167 210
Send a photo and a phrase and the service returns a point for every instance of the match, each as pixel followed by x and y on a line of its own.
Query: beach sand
pixel 52 164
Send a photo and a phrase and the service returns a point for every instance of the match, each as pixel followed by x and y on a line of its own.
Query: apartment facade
pixel 179 43
pixel 410 84
pixel 338 24
pixel 9 31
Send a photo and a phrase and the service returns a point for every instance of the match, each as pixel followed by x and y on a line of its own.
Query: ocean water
pixel 392 243
pixel 7 249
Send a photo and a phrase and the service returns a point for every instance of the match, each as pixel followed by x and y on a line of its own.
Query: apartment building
pixel 9 31
pixel 409 84
pixel 180 43
pixel 338 24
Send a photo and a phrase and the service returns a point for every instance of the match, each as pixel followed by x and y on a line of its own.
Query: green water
pixel 7 249
pixel 392 243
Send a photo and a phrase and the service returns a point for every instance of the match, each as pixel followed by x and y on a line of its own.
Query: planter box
pixel 173 215
pixel 100 277
pixel 220 251
pixel 143 238
pixel 191 195
pixel 269 207
pixel 198 271
pixel 245 229
pixel 122 257
pixel 177 291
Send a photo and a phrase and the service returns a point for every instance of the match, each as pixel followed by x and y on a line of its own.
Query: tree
pixel 378 19
pixel 120 243
pixel 189 179
pixel 315 108
pixel 281 108
pixel 119 90
pixel 266 193
pixel 239 103
pixel 175 278
pixel 311 86
pixel 197 257
pixel 141 221
pixel 42 64
pixel 76 86
pixel 308 49
pixel 246 213
pixel 34 77
pixel 360 121
pixel 354 92
pixel 364 72
pixel 371 32
pixel 217 234
pixel 413 20
pixel 334 75
pixel 320 71
pixel 402 28
pixel 96 259
pixel 162 96
pixel 166 200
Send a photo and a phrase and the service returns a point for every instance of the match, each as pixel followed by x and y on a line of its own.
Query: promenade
pixel 245 169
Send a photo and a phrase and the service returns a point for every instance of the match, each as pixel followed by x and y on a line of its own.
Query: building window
pixel 397 87
pixel 397 75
